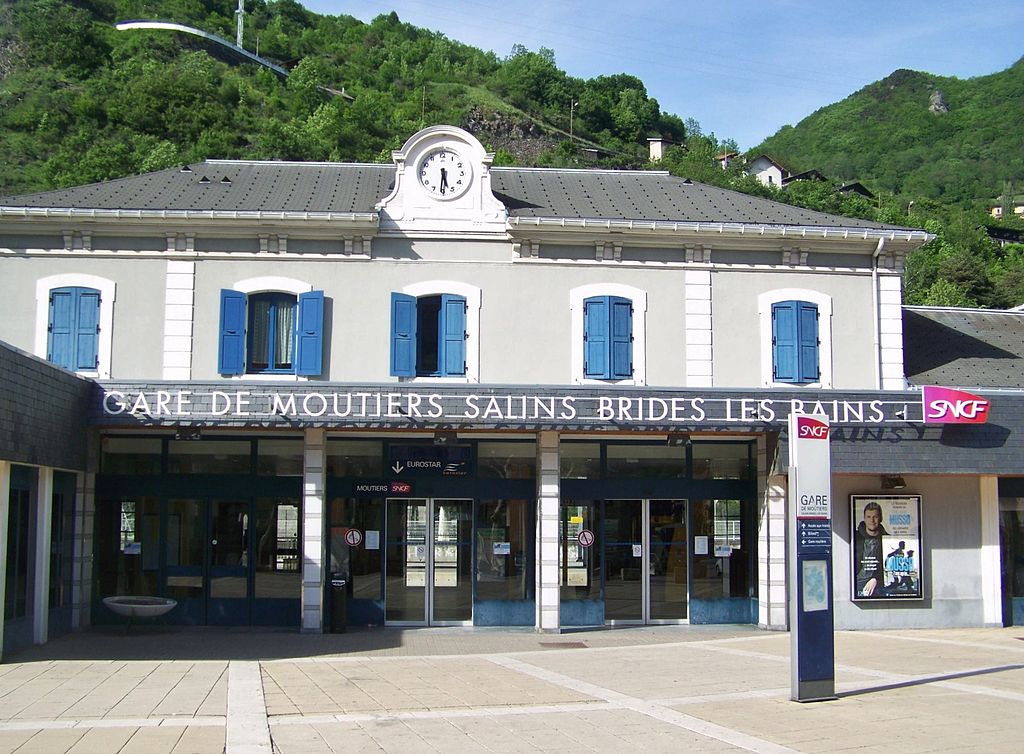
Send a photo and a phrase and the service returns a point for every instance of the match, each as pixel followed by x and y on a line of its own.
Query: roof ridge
pixel 587 171
pixel 922 307
pixel 297 162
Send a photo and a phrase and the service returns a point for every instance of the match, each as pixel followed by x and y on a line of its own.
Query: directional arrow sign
pixel 397 468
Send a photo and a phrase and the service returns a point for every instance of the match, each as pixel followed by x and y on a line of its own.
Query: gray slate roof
pixel 355 188
pixel 963 347
pixel 645 195
pixel 250 187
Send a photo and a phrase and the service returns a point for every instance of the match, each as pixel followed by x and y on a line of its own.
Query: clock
pixel 444 173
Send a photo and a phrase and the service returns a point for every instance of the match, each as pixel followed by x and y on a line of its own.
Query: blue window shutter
pixel 87 325
pixel 596 351
pixel 621 329
pixel 231 353
pixel 784 341
pixel 60 338
pixel 73 337
pixel 808 341
pixel 403 335
pixel 309 334
pixel 452 359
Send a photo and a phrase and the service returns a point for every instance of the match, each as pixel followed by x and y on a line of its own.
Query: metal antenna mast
pixel 239 15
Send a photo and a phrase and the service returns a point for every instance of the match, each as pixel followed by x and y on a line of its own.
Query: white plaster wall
pixel 951 533
pixel 138 311
pixel 738 347
pixel 525 317
pixel 524 303
pixel 18 277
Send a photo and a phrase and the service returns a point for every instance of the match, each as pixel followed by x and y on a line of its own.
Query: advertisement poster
pixel 886 536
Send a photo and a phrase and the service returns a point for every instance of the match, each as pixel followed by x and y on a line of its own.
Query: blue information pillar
pixel 811 618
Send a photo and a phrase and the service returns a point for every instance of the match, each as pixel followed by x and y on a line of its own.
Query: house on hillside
pixel 997 210
pixel 856 187
pixel 808 175
pixel 441 392
pixel 726 159
pixel 768 170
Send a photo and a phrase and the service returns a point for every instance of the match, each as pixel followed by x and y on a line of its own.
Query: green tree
pixel 947 293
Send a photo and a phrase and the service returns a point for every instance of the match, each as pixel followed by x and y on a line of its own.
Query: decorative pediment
pixel 442 185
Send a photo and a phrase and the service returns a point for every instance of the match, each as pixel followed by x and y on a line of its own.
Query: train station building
pixel 439 392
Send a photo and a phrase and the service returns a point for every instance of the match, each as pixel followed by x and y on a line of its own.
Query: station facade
pixel 475 396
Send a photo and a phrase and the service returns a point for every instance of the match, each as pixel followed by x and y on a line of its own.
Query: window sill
pixel 818 385
pixel 265 377
pixel 591 381
pixel 460 380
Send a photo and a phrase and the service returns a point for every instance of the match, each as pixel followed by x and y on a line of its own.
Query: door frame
pixel 429 567
pixel 645 562
pixel 202 603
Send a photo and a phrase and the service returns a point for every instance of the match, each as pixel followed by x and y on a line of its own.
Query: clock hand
pixel 444 180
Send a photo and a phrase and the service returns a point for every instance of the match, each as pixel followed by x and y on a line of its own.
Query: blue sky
pixel 742 68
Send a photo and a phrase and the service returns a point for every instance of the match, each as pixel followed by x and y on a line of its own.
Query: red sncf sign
pixel 943 405
pixel 809 428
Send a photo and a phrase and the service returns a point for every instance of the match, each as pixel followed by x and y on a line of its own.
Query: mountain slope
pixel 953 140
pixel 81 102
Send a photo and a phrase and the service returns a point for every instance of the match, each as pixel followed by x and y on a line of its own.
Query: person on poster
pixel 893 564
pixel 906 583
pixel 867 551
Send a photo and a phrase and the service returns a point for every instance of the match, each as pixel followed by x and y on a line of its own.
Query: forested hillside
pixel 81 101
pixel 952 140
pixel 939 152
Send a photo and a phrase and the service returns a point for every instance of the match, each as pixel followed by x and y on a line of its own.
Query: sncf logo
pixel 810 428
pixel 943 405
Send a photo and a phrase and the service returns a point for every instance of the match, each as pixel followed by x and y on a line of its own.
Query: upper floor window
pixel 271 332
pixel 608 333
pixel 608 338
pixel 435 328
pixel 428 335
pixel 271 337
pixel 795 342
pixel 796 333
pixel 74 327
pixel 74 322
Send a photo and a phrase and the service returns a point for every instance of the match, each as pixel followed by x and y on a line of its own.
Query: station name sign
pixel 494 407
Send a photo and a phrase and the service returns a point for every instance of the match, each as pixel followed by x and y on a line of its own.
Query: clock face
pixel 444 173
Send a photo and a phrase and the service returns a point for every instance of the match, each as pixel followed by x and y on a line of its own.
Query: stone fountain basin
pixel 140 607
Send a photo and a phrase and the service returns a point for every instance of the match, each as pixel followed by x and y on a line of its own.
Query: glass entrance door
pixel 207 545
pixel 428 568
pixel 645 545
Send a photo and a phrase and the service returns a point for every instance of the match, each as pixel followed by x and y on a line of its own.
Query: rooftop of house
pixel 312 187
pixel 978 348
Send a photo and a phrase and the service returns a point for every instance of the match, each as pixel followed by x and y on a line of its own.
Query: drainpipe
pixel 876 316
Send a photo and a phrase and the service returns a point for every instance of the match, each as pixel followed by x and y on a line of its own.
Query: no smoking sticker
pixel 354 537
pixel 585 538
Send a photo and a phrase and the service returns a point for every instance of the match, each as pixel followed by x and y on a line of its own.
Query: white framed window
pixel 270 328
pixel 600 309
pixel 74 303
pixel 435 332
pixel 785 317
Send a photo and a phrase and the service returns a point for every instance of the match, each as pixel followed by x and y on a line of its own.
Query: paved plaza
pixel 652 689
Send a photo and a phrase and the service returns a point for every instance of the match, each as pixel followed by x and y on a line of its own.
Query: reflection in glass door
pixel 428 569
pixel 185 550
pixel 228 603
pixel 667 563
pixel 646 557
pixel 624 558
